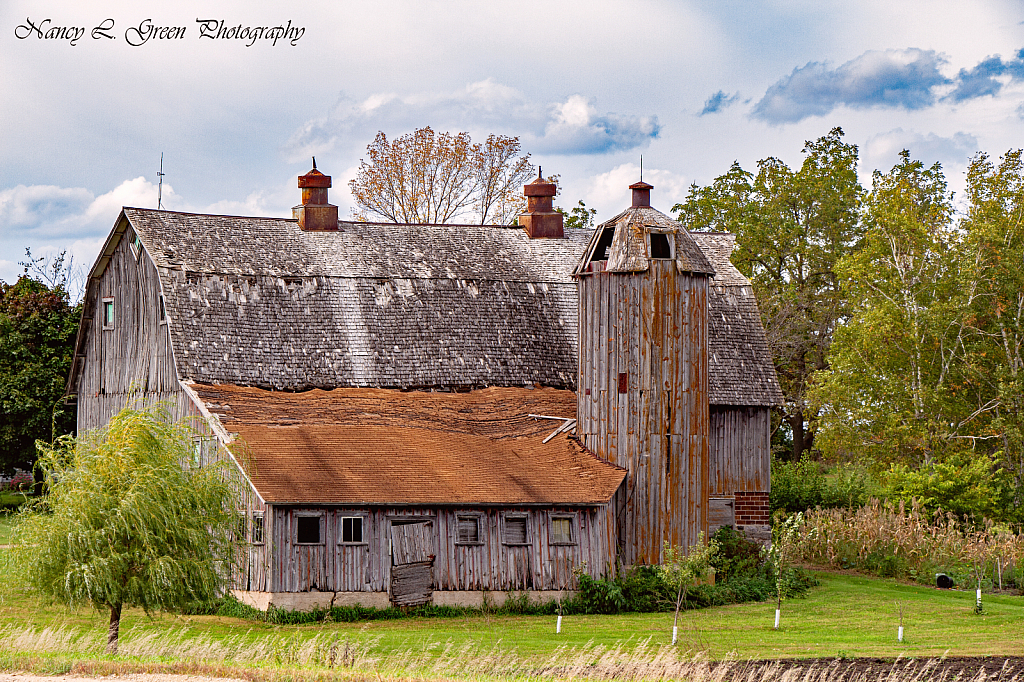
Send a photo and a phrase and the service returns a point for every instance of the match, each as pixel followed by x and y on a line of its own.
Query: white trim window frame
pixel 351 530
pixel 319 515
pixel 258 529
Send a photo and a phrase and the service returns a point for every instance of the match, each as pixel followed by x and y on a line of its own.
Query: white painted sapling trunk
pixel 899 635
pixel 558 625
pixel 778 615
pixel 675 634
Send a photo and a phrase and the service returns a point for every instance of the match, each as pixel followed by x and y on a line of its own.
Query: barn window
pixel 135 242
pixel 659 246
pixel 240 527
pixel 469 529
pixel 307 529
pixel 351 530
pixel 163 310
pixel 516 530
pixel 257 528
pixel 562 530
pixel 108 313
pixel 603 243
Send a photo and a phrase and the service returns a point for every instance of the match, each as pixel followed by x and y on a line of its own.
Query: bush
pixel 799 486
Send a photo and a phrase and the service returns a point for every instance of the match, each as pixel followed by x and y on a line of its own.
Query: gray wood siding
pixel 652 328
pixel 134 358
pixel 489 565
pixel 740 449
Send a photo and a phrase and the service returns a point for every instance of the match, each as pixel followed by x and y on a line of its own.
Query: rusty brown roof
pixel 383 447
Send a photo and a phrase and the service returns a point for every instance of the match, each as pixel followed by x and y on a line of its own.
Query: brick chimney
pixel 314 213
pixel 641 193
pixel 541 220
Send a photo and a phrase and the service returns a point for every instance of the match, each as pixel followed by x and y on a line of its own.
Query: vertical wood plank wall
pixel 740 449
pixel 134 358
pixel 490 565
pixel 652 327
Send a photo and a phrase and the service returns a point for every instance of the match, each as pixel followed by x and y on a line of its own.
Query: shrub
pixel 799 486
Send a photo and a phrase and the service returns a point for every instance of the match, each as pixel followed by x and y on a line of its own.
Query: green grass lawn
pixel 847 615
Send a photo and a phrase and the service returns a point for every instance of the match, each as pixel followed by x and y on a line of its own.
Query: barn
pixel 441 413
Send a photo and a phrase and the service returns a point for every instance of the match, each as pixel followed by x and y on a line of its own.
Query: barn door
pixel 412 562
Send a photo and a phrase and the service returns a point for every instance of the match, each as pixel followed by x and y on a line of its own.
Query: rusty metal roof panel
pixel 373 446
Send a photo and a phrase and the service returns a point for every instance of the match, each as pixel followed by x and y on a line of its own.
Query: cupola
pixel 314 213
pixel 541 219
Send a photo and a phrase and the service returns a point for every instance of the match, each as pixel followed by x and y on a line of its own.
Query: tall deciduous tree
pixel 994 228
pixel 426 177
pixel 895 389
pixel 126 521
pixel 791 228
pixel 38 324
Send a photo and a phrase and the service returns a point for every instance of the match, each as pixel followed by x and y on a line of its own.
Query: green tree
pixel 682 569
pixel 897 386
pixel 780 554
pixel 126 521
pixel 38 325
pixel 579 216
pixel 792 227
pixel 994 228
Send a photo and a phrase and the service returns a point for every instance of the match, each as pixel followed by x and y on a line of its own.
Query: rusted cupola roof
pixel 629 241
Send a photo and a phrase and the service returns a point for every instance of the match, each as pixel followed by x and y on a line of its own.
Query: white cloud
pixel 572 126
pixel 609 192
pixel 882 151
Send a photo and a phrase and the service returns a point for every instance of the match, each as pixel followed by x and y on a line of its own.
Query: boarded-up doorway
pixel 412 562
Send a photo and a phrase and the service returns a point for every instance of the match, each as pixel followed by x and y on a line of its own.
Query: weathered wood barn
pixel 436 412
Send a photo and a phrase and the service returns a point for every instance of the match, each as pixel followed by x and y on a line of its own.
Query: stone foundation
pixel 307 601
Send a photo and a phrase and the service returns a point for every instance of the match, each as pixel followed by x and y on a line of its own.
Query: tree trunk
pixel 802 438
pixel 114 630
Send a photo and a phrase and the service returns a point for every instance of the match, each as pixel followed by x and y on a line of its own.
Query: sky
pixel 95 92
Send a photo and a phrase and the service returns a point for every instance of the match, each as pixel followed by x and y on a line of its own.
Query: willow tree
pixel 126 521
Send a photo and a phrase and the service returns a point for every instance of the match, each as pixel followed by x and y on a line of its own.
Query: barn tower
pixel 643 373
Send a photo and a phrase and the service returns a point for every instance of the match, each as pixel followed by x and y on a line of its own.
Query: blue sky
pixel 587 86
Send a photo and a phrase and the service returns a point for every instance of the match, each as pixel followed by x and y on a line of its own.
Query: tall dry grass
pixel 330 656
pixel 889 539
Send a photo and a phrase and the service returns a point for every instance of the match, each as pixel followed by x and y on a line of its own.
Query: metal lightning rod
pixel 160 185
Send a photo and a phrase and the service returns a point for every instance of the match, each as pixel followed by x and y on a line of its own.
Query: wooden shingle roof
pixel 379 447
pixel 257 301
pixel 740 368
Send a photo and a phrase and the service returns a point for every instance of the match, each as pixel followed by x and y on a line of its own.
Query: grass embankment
pixel 846 616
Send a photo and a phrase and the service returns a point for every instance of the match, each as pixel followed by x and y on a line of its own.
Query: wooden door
pixel 412 563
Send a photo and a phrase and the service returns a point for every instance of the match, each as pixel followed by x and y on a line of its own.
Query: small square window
pixel 469 530
pixel 257 528
pixel 108 313
pixel 307 530
pixel 562 530
pixel 352 529
pixel 516 531
pixel 659 246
